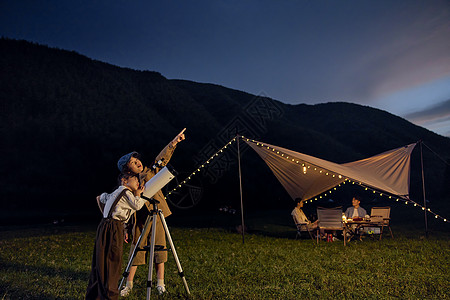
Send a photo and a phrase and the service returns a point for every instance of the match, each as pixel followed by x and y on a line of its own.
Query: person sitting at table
pixel 300 216
pixel 355 211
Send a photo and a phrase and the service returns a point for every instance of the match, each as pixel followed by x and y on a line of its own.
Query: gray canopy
pixel 304 176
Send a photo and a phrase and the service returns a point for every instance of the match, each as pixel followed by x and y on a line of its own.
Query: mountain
pixel 66 119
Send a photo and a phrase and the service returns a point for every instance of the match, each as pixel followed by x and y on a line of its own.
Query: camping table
pixel 353 231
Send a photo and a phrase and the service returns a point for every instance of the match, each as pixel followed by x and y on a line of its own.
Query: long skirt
pixel 106 261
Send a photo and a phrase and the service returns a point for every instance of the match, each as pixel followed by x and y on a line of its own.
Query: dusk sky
pixel 393 55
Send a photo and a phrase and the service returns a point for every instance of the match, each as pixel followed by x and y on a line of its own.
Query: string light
pixel 307 166
pixel 203 165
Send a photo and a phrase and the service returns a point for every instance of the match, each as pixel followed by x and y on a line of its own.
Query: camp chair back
pixel 330 219
pixel 302 228
pixel 380 217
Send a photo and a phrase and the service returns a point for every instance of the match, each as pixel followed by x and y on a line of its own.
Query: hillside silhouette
pixel 66 119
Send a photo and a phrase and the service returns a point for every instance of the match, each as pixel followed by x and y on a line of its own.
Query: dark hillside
pixel 66 119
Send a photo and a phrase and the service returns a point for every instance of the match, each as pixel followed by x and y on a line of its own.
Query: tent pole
pixel 423 189
pixel 240 188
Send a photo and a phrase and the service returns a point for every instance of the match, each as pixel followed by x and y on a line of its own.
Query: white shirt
pixel 299 215
pixel 355 213
pixel 125 207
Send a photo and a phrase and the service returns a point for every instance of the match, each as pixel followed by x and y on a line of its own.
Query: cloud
pixel 413 50
pixel 435 112
pixel 435 118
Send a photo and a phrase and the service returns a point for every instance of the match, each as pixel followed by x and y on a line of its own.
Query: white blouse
pixel 299 215
pixel 125 207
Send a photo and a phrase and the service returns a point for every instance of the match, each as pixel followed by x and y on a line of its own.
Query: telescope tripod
pixel 155 213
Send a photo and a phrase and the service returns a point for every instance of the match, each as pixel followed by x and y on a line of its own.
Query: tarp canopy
pixel 304 176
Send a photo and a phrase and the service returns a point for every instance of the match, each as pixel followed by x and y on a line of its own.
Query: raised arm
pixel 166 154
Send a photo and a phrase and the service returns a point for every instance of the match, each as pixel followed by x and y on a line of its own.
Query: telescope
pixel 163 177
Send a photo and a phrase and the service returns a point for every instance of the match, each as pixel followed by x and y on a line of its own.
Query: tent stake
pixel 423 189
pixel 240 188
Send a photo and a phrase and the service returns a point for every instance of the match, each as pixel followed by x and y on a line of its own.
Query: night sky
pixel 392 55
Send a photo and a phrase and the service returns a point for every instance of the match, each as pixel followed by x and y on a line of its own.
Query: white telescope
pixel 158 181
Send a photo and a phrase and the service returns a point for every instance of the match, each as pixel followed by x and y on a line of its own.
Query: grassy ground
pixel 53 262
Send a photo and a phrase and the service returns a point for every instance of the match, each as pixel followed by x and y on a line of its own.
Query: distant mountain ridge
pixel 66 119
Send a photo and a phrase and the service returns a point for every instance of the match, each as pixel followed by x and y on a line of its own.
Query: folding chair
pixel 380 217
pixel 330 219
pixel 301 229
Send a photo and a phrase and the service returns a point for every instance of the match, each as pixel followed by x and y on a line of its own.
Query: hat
pixel 123 161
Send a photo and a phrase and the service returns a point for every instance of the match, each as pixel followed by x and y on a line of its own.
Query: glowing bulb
pixel 436 216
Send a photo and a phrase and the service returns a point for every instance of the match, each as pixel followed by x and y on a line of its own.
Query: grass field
pixel 53 262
